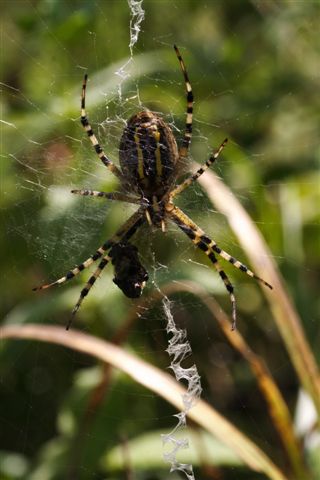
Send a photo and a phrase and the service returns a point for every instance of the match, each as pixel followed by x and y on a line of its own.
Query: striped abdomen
pixel 148 154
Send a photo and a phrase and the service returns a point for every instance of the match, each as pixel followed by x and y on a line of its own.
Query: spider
pixel 149 168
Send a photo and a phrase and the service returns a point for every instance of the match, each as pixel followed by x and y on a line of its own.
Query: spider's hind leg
pixel 226 281
pixel 209 247
pixel 123 234
pixel 84 292
pixel 74 272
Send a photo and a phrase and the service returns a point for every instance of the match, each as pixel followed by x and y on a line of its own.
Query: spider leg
pixel 183 151
pixel 179 188
pixel 209 247
pixel 84 292
pixel 121 197
pixel 86 125
pixel 228 285
pixel 124 233
pixel 205 243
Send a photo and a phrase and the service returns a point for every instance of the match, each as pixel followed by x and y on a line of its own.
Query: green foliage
pixel 254 68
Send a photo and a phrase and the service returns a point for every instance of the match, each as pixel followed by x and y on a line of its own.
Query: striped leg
pixel 124 233
pixel 209 247
pixel 183 151
pixel 227 283
pixel 73 273
pixel 121 197
pixel 179 188
pixel 205 243
pixel 86 125
pixel 84 292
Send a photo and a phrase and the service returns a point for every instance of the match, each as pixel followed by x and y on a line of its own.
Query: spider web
pixel 46 163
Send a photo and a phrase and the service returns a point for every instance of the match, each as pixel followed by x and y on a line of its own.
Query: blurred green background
pixel 254 68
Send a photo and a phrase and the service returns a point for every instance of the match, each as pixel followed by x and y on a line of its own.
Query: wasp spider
pixel 149 160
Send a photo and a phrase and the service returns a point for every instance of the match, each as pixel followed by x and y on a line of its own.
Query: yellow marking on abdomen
pixel 140 156
pixel 156 136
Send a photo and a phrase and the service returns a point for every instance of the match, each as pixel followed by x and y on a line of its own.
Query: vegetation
pixel 93 401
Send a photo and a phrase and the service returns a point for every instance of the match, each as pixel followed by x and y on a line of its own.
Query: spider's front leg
pixel 183 151
pixel 209 247
pixel 86 125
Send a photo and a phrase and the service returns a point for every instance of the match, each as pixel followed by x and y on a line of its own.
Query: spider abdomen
pixel 148 154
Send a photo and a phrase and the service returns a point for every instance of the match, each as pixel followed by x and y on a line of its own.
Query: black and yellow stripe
pixel 117 196
pixel 205 243
pixel 84 292
pixel 148 154
pixel 183 151
pixel 179 188
pixel 209 247
pixel 227 283
pixel 86 125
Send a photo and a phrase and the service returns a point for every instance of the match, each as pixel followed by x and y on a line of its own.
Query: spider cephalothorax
pixel 149 161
